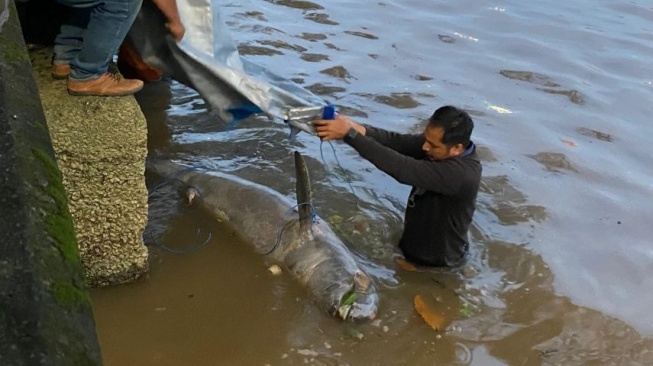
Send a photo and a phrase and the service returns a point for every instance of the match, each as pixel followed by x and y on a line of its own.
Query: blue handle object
pixel 329 112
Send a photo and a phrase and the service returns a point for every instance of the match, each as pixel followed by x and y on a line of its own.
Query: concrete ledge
pixel 45 312
pixel 101 147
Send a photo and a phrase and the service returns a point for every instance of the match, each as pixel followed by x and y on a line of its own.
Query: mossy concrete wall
pixel 46 316
pixel 101 145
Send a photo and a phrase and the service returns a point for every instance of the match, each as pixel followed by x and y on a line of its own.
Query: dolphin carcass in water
pixel 307 248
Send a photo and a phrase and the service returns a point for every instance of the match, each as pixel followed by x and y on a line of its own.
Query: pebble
pixel 469 271
pixel 275 269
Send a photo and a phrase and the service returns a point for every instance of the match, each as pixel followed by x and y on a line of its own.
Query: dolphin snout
pixel 360 302
pixel 365 307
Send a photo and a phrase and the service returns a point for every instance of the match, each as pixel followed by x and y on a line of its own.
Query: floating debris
pixel 499 109
pixel 275 269
pixel 446 39
pixel 466 37
pixel 467 310
pixel 568 142
pixel 335 219
pixel 355 333
pixel 307 352
pixel 405 265
pixel 434 320
pixel 469 271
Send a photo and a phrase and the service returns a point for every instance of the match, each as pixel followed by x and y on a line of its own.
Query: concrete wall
pixel 61 232
pixel 45 311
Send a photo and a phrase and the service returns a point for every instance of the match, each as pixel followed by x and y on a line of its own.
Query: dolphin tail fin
pixel 303 187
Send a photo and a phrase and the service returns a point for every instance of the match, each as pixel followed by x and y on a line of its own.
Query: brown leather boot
pixel 106 85
pixel 60 71
pixel 131 64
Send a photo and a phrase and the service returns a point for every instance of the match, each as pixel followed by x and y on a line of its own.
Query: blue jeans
pixel 91 36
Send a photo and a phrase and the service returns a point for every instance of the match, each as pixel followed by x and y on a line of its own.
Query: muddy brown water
pixel 561 262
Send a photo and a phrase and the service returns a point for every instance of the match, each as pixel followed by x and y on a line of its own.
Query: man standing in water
pixel 442 166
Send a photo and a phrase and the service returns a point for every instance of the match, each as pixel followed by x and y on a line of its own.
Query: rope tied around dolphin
pixel 288 223
pixel 282 226
pixel 188 249
pixel 168 181
pixel 345 177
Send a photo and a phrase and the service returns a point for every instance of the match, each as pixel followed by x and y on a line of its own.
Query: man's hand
pixel 169 9
pixel 336 129
pixel 176 29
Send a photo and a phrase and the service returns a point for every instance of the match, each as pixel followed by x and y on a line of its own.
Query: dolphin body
pixel 305 246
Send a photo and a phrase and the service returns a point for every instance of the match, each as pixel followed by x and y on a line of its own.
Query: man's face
pixel 435 148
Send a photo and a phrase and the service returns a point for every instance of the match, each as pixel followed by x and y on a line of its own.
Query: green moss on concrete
pixel 61 229
pixel 59 224
pixel 12 50
pixel 68 295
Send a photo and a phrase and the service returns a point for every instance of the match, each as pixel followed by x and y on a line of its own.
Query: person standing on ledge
pixel 442 167
pixel 89 40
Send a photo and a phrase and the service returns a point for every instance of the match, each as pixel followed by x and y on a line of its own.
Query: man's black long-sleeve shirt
pixel 442 200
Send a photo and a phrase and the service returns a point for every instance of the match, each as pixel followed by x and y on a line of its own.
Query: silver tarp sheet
pixel 207 60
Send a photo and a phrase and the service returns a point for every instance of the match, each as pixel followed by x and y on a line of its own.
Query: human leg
pixel 68 42
pixel 108 24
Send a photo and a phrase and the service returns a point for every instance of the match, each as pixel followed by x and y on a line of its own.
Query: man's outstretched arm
pixel 338 128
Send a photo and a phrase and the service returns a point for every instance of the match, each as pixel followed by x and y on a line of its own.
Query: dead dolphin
pixel 305 246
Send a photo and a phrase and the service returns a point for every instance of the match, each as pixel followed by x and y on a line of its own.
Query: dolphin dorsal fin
pixel 303 187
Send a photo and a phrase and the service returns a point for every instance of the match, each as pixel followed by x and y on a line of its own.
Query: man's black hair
pixel 457 125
